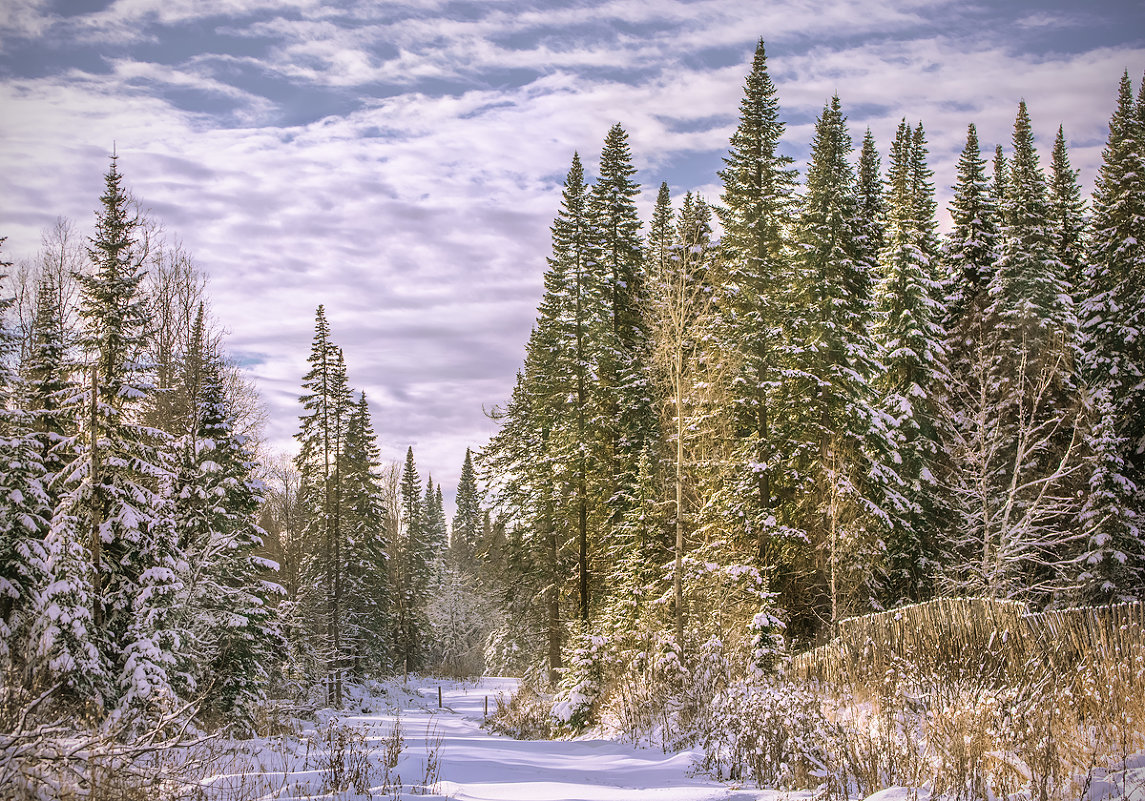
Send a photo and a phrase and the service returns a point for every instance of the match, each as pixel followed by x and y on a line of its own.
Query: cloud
pixel 417 206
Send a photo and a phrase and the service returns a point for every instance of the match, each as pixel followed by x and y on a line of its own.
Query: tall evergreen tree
pixel 411 566
pixel 1067 215
pixel 466 532
pixel 1031 308
pixel 756 216
pixel 612 207
pixel 24 506
pixel 872 206
pixel 972 245
pixel 628 422
pixel 1113 313
pixel 833 442
pixel 231 628
pixel 436 527
pixel 113 501
pixel 47 386
pixel 909 314
pixel 321 436
pixel 658 253
pixel 367 593
pixel 589 321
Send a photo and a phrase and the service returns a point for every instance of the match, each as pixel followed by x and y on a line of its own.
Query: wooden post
pixel 439 696
pixel 486 706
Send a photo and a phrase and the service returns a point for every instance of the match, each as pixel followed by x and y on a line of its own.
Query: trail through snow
pixel 477 765
pixel 474 764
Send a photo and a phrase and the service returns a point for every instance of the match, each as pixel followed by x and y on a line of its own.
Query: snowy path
pixel 475 765
pixel 479 766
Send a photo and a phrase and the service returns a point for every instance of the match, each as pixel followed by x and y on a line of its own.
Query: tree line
pixel 156 565
pixel 376 582
pixel 830 408
pixel 132 583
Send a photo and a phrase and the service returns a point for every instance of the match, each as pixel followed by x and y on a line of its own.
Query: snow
pixel 475 765
pixel 900 794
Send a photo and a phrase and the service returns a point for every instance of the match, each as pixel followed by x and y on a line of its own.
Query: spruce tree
pixel 1067 215
pixel 113 503
pixel 1113 313
pixel 612 208
pixel 227 618
pixel 872 206
pixel 658 252
pixel 411 570
pixel 24 506
pixel 466 532
pixel 833 439
pixel 321 436
pixel 47 386
pixel 756 215
pixel 437 534
pixel 914 370
pixel 971 247
pixel 628 421
pixel 367 589
pixel 1031 309
pixel 590 318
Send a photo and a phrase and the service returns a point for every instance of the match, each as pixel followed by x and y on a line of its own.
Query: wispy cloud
pixel 401 162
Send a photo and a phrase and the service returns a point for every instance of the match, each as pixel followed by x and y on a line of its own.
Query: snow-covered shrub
pixel 526 716
pixel 582 682
pixel 772 733
pixel 643 702
pixel 505 654
pixel 767 644
pixel 709 674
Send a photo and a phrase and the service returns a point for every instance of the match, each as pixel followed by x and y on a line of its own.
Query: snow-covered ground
pixel 474 764
pixel 445 753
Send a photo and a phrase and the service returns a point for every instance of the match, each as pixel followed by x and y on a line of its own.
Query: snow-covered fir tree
pixel 364 516
pixel 756 214
pixel 228 621
pixel 835 444
pixel 1067 215
pixel 914 374
pixel 321 436
pixel 872 205
pixel 24 507
pixel 465 534
pixel 411 571
pixel 114 514
pixel 1113 320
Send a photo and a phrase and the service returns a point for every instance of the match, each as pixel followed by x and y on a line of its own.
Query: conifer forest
pixel 758 443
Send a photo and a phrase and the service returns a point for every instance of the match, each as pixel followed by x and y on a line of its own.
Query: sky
pixel 401 162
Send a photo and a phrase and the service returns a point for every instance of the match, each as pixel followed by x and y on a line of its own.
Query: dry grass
pixel 979 699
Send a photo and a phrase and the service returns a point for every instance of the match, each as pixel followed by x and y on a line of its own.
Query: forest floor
pixel 447 754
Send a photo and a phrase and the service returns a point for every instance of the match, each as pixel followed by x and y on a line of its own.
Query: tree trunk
pixel 678 577
pixel 764 479
pixel 96 504
pixel 554 609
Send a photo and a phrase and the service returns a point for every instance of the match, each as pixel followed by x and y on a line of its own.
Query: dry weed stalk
pixel 980 699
